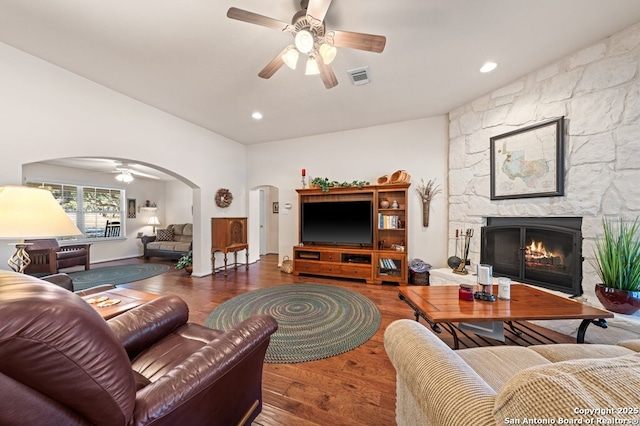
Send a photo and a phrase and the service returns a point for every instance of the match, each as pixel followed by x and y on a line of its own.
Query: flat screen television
pixel 337 223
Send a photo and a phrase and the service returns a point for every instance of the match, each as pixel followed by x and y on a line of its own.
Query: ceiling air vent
pixel 359 76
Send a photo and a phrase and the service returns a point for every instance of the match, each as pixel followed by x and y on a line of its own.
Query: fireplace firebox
pixel 542 251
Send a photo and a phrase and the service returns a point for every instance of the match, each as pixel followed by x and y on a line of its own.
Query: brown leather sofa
pixel 62 364
pixel 48 257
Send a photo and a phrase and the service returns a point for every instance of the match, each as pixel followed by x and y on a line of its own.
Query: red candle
pixel 304 172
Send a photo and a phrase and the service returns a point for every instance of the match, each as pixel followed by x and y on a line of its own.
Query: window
pixel 88 207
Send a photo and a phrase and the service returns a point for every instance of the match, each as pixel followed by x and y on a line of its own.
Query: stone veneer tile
pixel 598 91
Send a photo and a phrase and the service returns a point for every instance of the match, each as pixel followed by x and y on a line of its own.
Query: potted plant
pixel 186 262
pixel 617 263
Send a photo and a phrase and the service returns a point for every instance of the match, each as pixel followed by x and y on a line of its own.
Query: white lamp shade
pixel 153 220
pixel 304 41
pixel 312 67
pixel 328 53
pixel 291 58
pixel 32 213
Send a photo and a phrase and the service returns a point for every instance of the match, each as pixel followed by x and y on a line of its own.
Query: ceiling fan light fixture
pixel 291 58
pixel 312 67
pixel 328 53
pixel 304 41
pixel 124 176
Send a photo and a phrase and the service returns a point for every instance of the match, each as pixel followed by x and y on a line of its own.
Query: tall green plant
pixel 617 255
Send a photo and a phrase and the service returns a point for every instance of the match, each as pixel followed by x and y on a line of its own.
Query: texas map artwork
pixel 526 163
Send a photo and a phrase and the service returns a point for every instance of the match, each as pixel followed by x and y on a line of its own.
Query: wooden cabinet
pixel 333 262
pixel 390 266
pixel 228 234
pixel 385 260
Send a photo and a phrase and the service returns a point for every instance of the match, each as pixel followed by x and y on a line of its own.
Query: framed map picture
pixel 528 162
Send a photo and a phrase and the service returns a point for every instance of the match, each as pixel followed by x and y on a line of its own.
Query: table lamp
pixel 154 222
pixel 31 213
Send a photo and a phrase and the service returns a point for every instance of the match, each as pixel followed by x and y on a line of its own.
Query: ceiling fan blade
pixel 274 65
pixel 361 41
pixel 317 9
pixel 326 73
pixel 254 18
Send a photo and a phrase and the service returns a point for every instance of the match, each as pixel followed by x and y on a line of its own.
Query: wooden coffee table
pixel 441 305
pixel 129 299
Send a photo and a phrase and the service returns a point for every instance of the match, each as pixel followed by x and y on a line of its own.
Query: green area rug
pixel 120 274
pixel 315 321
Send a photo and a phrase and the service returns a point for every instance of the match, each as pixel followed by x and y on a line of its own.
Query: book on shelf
pixel 387 263
pixel 386 221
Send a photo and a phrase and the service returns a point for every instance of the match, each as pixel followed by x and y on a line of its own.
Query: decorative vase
pixel 384 203
pixel 188 269
pixel 425 213
pixel 619 301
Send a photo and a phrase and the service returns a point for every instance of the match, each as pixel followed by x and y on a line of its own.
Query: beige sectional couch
pixel 171 242
pixel 510 384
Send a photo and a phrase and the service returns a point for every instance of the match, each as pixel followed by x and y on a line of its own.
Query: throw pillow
pixel 164 234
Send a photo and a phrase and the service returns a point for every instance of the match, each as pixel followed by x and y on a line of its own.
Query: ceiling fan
pixel 126 172
pixel 310 38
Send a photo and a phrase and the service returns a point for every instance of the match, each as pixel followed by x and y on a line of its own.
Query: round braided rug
pixel 315 321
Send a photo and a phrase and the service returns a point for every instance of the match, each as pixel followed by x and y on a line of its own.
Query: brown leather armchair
pixel 48 257
pixel 62 364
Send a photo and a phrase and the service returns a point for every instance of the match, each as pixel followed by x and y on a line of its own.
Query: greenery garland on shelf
pixel 325 184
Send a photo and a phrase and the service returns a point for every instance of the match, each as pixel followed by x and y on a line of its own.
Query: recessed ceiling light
pixel 256 116
pixel 488 67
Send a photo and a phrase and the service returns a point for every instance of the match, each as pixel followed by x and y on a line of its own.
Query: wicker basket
pixel 400 176
pixel 383 180
pixel 418 278
pixel 287 265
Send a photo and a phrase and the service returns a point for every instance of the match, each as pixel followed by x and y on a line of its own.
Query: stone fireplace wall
pixel 598 91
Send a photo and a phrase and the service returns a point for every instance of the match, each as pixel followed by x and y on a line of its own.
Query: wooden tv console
pixel 386 261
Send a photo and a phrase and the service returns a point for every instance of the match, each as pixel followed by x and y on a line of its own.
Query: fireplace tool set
pixel 456 263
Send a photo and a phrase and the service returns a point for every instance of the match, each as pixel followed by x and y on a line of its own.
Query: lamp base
pixel 20 259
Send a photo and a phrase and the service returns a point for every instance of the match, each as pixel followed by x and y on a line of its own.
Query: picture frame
pixel 276 207
pixel 131 208
pixel 528 162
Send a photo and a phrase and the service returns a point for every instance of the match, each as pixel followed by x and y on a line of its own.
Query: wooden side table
pixel 233 248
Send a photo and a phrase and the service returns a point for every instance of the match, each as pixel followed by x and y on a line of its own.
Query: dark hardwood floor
pixel 355 388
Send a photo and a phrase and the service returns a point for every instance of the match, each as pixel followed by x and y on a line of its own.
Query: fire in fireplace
pixel 537 256
pixel 543 251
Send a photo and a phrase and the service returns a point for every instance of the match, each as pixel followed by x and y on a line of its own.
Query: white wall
pixel 598 91
pixel 47 112
pixel 178 207
pixel 418 146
